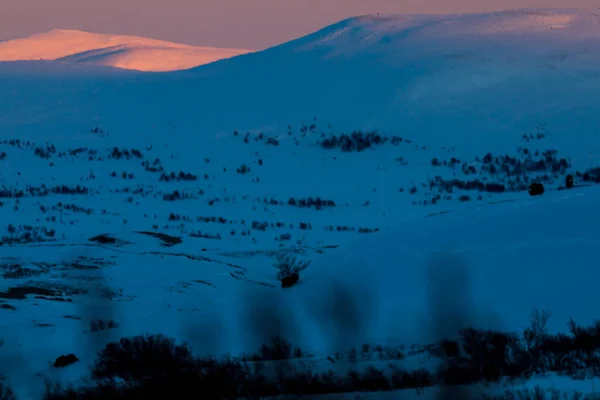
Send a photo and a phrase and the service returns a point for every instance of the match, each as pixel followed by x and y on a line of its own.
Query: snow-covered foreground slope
pixel 120 51
pixel 198 179
pixel 486 267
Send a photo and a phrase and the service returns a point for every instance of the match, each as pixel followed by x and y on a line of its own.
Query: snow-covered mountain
pixel 120 51
pixel 393 152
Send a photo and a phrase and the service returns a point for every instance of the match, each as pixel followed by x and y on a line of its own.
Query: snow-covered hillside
pixel 393 152
pixel 120 51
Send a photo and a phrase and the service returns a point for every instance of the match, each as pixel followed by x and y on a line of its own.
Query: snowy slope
pixel 518 85
pixel 129 52
pixel 434 75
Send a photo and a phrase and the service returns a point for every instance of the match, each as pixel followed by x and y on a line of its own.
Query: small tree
pixel 288 269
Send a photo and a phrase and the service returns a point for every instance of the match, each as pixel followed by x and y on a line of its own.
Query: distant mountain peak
pixel 135 52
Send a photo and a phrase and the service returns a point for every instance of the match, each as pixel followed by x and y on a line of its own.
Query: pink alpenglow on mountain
pixel 128 52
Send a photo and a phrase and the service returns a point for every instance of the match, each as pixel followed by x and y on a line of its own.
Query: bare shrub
pixel 102 325
pixel 288 269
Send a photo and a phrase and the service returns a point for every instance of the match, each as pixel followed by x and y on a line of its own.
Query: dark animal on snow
pixel 569 181
pixel 536 189
pixel 290 280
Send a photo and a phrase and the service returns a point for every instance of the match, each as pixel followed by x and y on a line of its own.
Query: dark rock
pixel 289 281
pixel 536 189
pixel 63 361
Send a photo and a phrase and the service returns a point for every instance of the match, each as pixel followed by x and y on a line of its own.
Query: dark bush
pixel 450 348
pixel 590 175
pixel 243 169
pixel 143 357
pixel 278 349
pixel 358 141
pixel 494 187
pixel 100 391
pixel 154 366
pixel 102 325
pixel 489 354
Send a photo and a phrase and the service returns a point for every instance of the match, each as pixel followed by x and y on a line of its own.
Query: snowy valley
pixel 393 153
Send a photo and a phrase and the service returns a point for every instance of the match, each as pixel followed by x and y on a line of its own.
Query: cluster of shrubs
pixel 177 195
pixel 243 169
pixel 124 175
pixel 513 166
pixel 401 161
pixel 219 220
pixel 153 166
pixel 589 175
pixel 284 237
pixel 540 393
pixel 45 152
pixel 103 325
pixel 49 150
pixel 453 162
pixel 358 141
pixel 514 182
pixel 311 202
pixel 18 271
pixel 308 202
pixel 64 189
pixel 178 217
pixel 80 150
pixel 155 366
pixel 128 154
pixel 73 207
pixel 511 174
pixel 181 176
pixel 42 191
pixel 305 128
pixel 199 234
pixel 449 185
pixel 18 143
pixel 272 141
pixel 512 185
pixel 260 136
pixel 27 234
pixel 539 135
pixel 345 228
pixel 304 226
pixel 262 226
